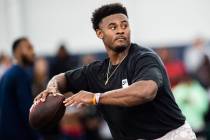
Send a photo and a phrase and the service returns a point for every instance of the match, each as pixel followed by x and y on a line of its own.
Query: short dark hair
pixel 106 10
pixel 16 43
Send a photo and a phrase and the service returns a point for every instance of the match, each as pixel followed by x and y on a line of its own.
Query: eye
pixel 112 27
pixel 124 26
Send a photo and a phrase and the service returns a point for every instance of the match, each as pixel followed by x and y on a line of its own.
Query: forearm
pixel 58 84
pixel 137 93
pixel 60 81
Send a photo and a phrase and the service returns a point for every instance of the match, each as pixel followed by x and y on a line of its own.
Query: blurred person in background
pixel 130 88
pixel 91 123
pixel 40 75
pixel 16 95
pixel 205 76
pixel 71 125
pixel 203 73
pixel 88 59
pixel 175 67
pixel 62 62
pixel 5 63
pixel 196 60
pixel 192 98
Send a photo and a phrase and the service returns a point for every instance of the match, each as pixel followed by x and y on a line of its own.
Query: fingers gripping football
pixel 52 88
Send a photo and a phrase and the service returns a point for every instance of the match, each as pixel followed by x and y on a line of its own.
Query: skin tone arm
pixel 55 86
pixel 137 93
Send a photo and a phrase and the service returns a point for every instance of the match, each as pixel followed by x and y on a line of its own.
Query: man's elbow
pixel 150 96
pixel 141 99
pixel 149 92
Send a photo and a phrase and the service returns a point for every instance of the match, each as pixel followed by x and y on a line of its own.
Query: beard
pixel 119 49
pixel 26 61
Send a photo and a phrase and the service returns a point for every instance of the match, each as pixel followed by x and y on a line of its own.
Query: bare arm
pixel 138 93
pixel 57 84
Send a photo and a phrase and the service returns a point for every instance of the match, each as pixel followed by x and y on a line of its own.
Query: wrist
pixel 97 95
pixel 96 98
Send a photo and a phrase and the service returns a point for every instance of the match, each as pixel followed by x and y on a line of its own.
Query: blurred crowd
pixel 188 68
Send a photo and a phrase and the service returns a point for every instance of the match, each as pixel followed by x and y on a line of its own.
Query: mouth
pixel 120 38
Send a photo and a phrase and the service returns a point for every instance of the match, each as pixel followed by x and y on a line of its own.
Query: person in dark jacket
pixel 16 94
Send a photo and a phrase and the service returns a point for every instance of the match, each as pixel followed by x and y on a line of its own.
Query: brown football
pixel 46 115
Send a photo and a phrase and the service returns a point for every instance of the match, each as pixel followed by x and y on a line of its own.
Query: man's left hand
pixel 82 98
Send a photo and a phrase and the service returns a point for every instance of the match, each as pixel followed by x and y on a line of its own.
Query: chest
pixel 109 79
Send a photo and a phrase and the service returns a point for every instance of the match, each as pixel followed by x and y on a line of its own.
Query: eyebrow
pixel 124 21
pixel 110 24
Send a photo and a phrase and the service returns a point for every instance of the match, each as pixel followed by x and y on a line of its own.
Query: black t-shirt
pixel 146 121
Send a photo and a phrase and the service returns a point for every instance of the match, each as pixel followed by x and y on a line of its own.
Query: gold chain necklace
pixel 108 71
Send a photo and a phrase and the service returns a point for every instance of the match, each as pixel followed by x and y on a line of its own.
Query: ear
pixel 99 33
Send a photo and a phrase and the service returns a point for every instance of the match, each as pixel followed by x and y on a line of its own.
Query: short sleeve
pixel 76 79
pixel 148 67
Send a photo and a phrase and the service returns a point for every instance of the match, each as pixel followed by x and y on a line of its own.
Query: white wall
pixel 47 22
pixel 3 27
pixel 10 23
pixel 171 21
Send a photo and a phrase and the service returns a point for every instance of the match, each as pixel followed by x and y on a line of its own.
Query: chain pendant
pixel 106 81
pixel 107 74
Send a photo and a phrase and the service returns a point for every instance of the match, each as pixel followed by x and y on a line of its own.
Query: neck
pixel 116 58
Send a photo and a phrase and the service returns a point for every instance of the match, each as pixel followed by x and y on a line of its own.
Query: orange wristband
pixel 94 100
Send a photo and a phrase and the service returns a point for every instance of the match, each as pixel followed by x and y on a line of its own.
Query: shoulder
pixel 14 72
pixel 9 76
pixel 96 66
pixel 11 72
pixel 139 53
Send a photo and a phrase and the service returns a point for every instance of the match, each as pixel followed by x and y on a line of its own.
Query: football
pixel 44 116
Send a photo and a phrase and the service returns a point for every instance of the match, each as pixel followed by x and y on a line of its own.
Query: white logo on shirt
pixel 124 83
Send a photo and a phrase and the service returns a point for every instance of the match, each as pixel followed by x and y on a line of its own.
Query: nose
pixel 120 30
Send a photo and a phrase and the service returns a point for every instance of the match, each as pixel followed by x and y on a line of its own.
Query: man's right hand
pixel 43 95
pixel 52 88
